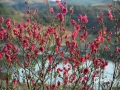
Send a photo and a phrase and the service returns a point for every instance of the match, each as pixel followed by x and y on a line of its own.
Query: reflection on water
pixel 108 71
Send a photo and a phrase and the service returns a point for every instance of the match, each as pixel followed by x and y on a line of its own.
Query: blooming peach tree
pixel 35 57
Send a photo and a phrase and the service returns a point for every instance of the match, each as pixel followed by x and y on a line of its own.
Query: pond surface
pixel 108 74
pixel 108 71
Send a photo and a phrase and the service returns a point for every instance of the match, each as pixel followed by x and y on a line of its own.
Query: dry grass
pixel 101 6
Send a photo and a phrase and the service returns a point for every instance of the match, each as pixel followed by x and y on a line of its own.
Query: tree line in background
pixel 91 11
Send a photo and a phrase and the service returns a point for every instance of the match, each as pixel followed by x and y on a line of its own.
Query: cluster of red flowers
pixel 10 51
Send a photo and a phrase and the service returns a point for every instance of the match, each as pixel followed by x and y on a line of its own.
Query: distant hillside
pixel 11 2
pixel 75 2
pixel 87 2
pixel 91 11
pixel 3 11
pixel 106 1
pixel 11 13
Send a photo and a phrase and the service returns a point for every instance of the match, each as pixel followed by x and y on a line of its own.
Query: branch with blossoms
pixel 45 58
